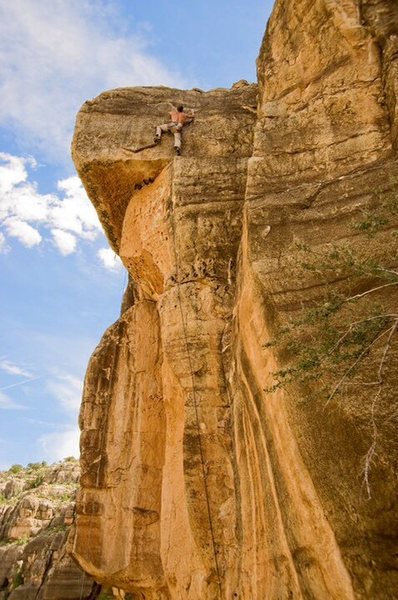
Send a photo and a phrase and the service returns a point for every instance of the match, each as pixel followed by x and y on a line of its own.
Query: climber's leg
pixel 161 129
pixel 177 140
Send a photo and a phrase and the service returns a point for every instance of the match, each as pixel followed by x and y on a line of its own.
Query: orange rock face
pixel 200 477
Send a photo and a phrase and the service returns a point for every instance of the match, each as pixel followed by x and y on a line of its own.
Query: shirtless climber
pixel 178 118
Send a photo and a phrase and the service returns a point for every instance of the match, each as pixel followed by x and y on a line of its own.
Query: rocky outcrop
pixel 36 511
pixel 159 366
pixel 205 474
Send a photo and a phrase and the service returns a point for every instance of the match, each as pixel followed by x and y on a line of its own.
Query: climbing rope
pixel 195 403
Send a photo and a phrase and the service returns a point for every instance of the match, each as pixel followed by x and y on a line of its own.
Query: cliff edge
pixel 237 420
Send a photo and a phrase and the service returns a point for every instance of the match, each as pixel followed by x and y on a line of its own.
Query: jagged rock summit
pixel 210 467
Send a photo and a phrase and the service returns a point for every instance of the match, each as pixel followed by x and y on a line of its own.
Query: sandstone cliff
pixel 211 468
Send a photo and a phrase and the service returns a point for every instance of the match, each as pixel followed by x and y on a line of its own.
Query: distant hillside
pixel 37 508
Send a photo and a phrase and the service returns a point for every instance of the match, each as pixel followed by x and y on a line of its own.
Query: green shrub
pixel 343 339
pixel 35 466
pixel 104 595
pixel 15 469
pixel 37 481
pixel 22 540
pixel 17 580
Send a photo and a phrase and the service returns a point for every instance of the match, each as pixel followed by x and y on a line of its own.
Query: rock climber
pixel 178 118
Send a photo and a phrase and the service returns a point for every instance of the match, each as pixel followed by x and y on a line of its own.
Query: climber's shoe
pixel 156 139
pixel 177 150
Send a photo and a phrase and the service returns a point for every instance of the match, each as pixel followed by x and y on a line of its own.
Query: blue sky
pixel 61 285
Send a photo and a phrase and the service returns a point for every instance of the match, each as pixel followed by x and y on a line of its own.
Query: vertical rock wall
pixel 197 482
pixel 157 513
pixel 323 157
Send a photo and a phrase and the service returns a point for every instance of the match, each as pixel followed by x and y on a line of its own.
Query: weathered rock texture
pixel 197 482
pixel 36 511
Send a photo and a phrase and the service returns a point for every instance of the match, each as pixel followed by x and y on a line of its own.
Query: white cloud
pixel 55 55
pixel 6 403
pixel 64 241
pixel 14 172
pixel 12 369
pixel 67 390
pixel 28 215
pixel 109 259
pixel 60 444
pixel 75 212
pixel 25 233
pixel 20 198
